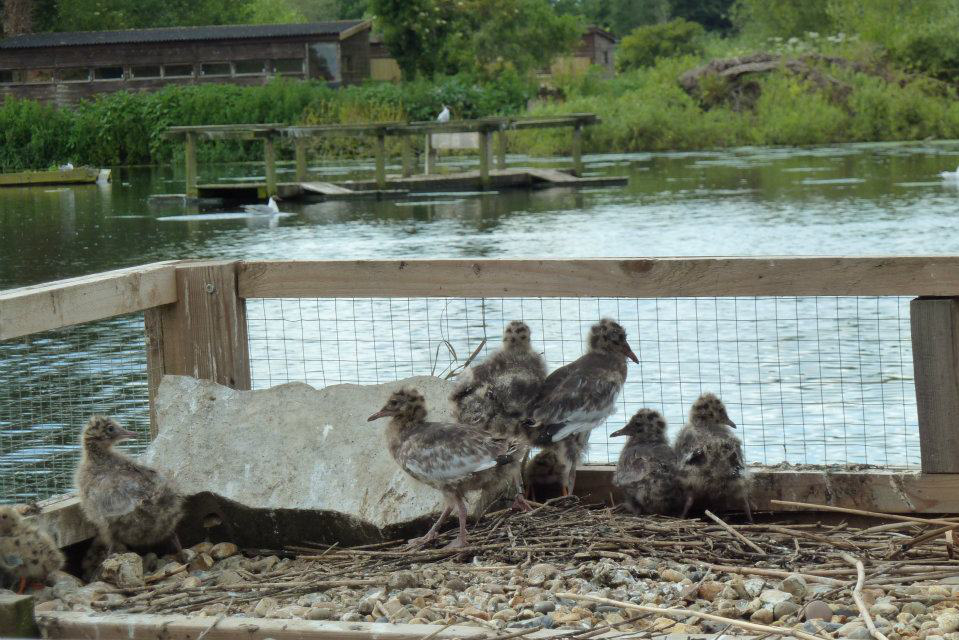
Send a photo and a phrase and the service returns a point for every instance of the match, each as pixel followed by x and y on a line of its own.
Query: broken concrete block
pixel 306 460
pixel 16 617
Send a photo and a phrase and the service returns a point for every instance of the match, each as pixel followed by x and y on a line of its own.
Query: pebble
pixel 264 607
pixel 455 585
pixel 710 590
pixel 915 608
pixel 672 575
pixel 849 628
pixel 752 588
pixel 202 547
pixel 819 626
pixel 886 610
pixel 818 610
pixel 546 606
pixel 948 621
pixel 762 616
pixel 191 582
pixel 540 573
pixel 223 550
pixel 229 577
pixel 794 585
pixel 125 570
pixel 505 614
pixel 201 562
pixel 784 609
pixel 774 596
pixel 186 556
pixel 51 605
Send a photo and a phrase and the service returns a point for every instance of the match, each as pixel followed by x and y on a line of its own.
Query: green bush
pixel 934 52
pixel 645 45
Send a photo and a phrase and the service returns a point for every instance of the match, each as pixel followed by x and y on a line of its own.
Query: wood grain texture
pixel 881 490
pixel 935 353
pixel 639 278
pixel 204 334
pixel 62 518
pixel 76 300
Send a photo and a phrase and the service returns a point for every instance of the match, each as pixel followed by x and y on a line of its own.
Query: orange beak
pixel 628 352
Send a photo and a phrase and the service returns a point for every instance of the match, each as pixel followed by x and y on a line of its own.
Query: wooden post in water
pixel 269 158
pixel 501 149
pixel 191 188
pixel 429 166
pixel 578 149
pixel 408 159
pixel 485 138
pixel 380 159
pixel 203 334
pixel 299 149
pixel 935 355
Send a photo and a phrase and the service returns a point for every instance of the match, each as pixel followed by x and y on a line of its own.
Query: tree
pixel 18 17
pixel 712 14
pixel 429 37
pixel 95 15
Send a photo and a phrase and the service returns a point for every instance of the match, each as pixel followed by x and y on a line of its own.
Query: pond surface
pixel 809 380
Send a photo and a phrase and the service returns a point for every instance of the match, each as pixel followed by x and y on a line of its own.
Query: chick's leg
pixel 687 506
pixel 461 538
pixel 749 511
pixel 23 585
pixel 434 530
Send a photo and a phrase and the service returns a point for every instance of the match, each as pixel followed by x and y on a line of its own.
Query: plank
pixel 62 518
pixel 551 175
pixel 325 188
pixel 935 352
pixel 204 334
pixel 880 490
pixel 72 301
pixel 636 278
pixel 79 175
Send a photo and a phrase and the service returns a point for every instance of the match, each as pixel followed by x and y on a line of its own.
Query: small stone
pixel 456 585
pixel 662 624
pixel 202 547
pixel 223 550
pixel 762 616
pixel 214 609
pixel 203 562
pixel 818 610
pixel 614 618
pixel 948 622
pixel 401 580
pixel 885 609
pixel 50 605
pixel 505 614
pixel 546 606
pixel 540 573
pixel 820 626
pixel 852 627
pixel 794 585
pixel 915 608
pixel 566 618
pixel 774 596
pixel 753 587
pixel 351 617
pixel 710 590
pixel 125 570
pixel 229 577
pixel 186 556
pixel 319 613
pixel 191 582
pixel 264 607
pixel 671 575
pixel 784 609
pixel 283 613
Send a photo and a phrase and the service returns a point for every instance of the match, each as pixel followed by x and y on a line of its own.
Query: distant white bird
pixel 950 175
pixel 269 209
pixel 66 167
pixel 444 115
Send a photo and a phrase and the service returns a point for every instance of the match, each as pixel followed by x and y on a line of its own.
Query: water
pixel 812 380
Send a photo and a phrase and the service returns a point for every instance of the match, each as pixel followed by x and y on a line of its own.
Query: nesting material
pixel 567 566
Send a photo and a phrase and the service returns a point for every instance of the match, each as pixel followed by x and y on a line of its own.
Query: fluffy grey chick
pixel 128 502
pixel 578 397
pixel 496 394
pixel 646 472
pixel 27 554
pixel 710 456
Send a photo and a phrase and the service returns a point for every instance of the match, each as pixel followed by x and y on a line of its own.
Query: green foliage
pixel 436 37
pixel 647 44
pixel 127 128
pixel 95 15
pixel 712 14
pixel 782 18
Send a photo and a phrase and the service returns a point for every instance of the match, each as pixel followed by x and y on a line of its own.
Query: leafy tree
pixel 783 18
pixel 90 15
pixel 712 14
pixel 646 44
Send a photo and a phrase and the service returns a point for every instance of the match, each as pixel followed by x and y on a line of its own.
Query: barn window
pixel 249 67
pixel 325 61
pixel 37 76
pixel 75 74
pixel 6 76
pixel 215 69
pixel 288 65
pixel 146 71
pixel 178 71
pixel 108 73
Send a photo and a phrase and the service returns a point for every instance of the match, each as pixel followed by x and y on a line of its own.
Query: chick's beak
pixel 382 413
pixel 123 434
pixel 730 423
pixel 621 432
pixel 628 352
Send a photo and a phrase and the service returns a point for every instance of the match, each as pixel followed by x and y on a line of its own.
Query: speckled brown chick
pixel 496 396
pixel 578 397
pixel 27 554
pixel 452 458
pixel 646 472
pixel 129 503
pixel 710 457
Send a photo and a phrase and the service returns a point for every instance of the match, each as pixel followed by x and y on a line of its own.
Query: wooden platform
pixel 399 186
pixel 78 175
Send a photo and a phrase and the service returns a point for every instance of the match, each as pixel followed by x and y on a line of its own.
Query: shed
pixel 597 47
pixel 65 67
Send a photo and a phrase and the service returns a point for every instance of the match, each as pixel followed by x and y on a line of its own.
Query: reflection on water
pixel 809 380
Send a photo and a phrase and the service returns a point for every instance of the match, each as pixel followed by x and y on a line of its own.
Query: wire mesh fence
pixel 809 380
pixel 50 384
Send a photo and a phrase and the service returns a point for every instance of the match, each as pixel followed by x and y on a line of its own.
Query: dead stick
pixel 735 534
pixel 684 613
pixel 857 596
pixel 773 573
pixel 860 512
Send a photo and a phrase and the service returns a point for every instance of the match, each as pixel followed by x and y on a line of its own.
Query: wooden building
pixel 65 67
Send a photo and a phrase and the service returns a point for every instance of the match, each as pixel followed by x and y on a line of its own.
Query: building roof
pixel 594 30
pixel 340 28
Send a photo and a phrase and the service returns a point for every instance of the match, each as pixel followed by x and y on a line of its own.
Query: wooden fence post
pixel 203 334
pixel 408 160
pixel 430 162
pixel 299 150
pixel 269 158
pixel 501 149
pixel 578 149
pixel 484 153
pixel 935 354
pixel 190 149
pixel 380 160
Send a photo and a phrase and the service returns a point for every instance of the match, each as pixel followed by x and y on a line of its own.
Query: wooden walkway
pixel 398 186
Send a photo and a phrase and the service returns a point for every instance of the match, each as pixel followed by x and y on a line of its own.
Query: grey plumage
pixel 496 394
pixel 27 554
pixel 128 502
pixel 647 473
pixel 452 458
pixel 578 397
pixel 710 456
